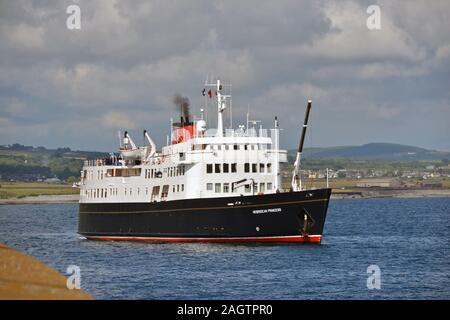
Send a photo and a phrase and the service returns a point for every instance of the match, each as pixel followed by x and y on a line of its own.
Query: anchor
pixel 307 223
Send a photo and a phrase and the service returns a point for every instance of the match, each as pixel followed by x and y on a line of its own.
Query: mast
pixel 220 109
pixel 276 164
pixel 296 184
pixel 221 105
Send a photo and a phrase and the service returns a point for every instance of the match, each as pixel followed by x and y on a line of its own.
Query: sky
pixel 76 88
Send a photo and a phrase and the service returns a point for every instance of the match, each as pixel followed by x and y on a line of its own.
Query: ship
pixel 207 184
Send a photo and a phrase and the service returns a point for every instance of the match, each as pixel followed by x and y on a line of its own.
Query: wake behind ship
pixel 206 185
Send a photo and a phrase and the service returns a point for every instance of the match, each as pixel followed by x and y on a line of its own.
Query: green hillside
pixel 373 151
pixel 26 163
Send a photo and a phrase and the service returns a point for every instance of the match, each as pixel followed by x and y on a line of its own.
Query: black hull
pixel 282 217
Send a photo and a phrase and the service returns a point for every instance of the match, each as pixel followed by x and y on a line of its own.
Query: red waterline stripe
pixel 285 239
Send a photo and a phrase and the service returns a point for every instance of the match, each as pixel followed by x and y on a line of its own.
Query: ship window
pixel 245 147
pixel 217 167
pixel 217 188
pixel 253 147
pixel 269 168
pixel 219 147
pixel 256 187
pixel 209 186
pixel 227 147
pixel 254 167
pixel 226 187
pixel 235 147
pixel 178 188
pixel 269 186
pixel 165 191
pixel 262 187
pixel 261 167
pixel 125 172
pixel 233 167
pixel 155 193
pixel 226 168
pixel 247 188
pixel 209 168
pixel 246 167
pixel 182 187
pixel 173 188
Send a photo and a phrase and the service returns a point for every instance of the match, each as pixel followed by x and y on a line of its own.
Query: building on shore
pixel 377 183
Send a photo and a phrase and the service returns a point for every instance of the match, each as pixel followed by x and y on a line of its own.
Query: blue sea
pixel 407 239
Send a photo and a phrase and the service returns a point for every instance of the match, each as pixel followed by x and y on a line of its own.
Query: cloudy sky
pixel 76 88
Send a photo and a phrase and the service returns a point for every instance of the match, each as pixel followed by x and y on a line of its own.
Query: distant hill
pixel 27 163
pixel 373 151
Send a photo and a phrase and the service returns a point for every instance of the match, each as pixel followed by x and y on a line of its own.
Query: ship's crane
pixel 152 145
pixel 296 184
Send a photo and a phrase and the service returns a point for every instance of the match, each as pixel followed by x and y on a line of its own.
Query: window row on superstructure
pixel 101 193
pixel 133 172
pixel 232 168
pixel 227 187
pixel 226 147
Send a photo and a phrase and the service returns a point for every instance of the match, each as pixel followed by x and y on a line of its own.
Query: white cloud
pixel 117 120
pixel 350 39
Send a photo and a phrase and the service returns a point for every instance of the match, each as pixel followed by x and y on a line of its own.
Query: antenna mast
pixel 221 105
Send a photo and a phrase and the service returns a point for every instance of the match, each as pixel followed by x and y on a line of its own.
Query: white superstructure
pixel 196 163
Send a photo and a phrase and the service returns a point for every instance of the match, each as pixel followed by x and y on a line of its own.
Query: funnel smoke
pixel 182 103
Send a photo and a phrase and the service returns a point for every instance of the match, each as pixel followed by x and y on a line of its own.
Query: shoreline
pixel 392 193
pixel 363 194
pixel 42 199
